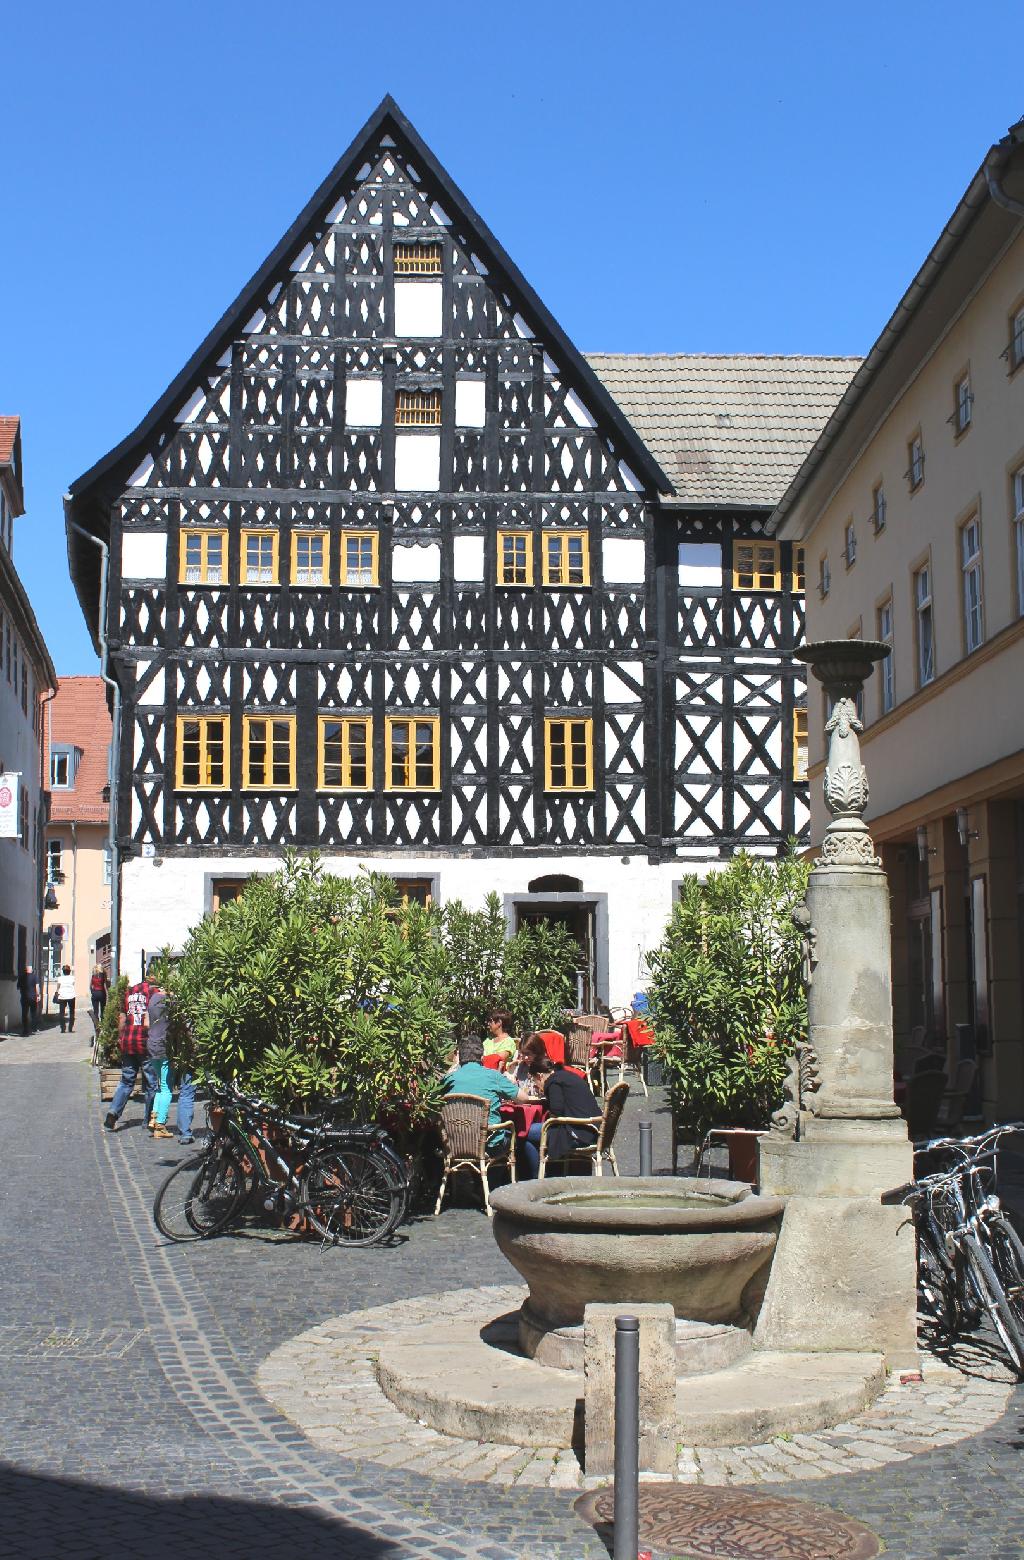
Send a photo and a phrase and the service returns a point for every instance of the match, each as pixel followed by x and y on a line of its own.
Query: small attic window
pixel 418 408
pixel 417 259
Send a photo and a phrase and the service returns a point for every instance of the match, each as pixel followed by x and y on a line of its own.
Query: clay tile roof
pixel 8 435
pixel 726 430
pixel 78 716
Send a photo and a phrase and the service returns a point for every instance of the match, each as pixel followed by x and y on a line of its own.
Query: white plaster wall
pixel 700 563
pixel 154 693
pixel 417 308
pixel 144 555
pixel 160 903
pixel 416 564
pixel 417 462
pixel 623 559
pixel 469 558
pixel 19 892
pixel 470 403
pixel 363 403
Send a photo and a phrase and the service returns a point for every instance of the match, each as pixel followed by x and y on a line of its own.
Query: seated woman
pixel 499 1042
pixel 565 1094
pixel 531 1051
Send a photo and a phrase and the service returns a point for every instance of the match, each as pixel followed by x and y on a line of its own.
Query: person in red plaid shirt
pixel 132 1028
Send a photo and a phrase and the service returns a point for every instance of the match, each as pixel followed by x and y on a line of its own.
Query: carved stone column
pixel 843 1276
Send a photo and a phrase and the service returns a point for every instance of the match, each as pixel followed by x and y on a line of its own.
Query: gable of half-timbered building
pixel 391 573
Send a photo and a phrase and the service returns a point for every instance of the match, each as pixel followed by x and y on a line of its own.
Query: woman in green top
pixel 499 1042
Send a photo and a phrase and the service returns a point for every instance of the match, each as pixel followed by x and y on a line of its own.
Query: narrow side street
pixel 132 1423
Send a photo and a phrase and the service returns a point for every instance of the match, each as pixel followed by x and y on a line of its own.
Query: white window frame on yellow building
pixel 505 568
pixel 559 572
pixel 351 579
pixel 391 725
pixel 204 723
pixel 755 567
pixel 972 584
pixel 262 536
pixel 346 725
pixel 578 776
pixel 919 604
pixel 305 534
pixel 886 667
pixel 270 741
pixel 204 535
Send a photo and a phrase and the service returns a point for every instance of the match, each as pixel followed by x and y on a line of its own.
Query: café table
pixel 523 1114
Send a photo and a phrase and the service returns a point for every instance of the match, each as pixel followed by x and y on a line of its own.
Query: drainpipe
pixel 115 743
pixel 45 729
pixel 993 166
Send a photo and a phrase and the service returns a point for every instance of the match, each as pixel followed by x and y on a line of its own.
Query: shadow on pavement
pixel 54 1519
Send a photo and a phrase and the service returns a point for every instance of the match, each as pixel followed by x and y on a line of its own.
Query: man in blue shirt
pixel 471 1077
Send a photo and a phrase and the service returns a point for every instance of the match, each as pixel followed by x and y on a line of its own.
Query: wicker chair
pixel 578 1046
pixel 607 1125
pixel 469 1143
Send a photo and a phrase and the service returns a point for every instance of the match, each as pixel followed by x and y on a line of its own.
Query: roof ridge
pixel 733 357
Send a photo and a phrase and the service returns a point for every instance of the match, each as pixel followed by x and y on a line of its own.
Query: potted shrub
pixel 727 1003
pixel 108 1050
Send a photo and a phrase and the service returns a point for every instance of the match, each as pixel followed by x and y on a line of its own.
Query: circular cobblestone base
pixel 324 1381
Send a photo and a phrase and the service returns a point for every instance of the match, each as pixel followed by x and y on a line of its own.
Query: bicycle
pixel 970 1257
pixel 346 1180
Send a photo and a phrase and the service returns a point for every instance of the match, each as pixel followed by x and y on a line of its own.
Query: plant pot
pixel 110 1077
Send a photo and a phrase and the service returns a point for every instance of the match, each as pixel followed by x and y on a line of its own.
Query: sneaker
pixel 189 1139
pixel 110 1121
pixel 160 1131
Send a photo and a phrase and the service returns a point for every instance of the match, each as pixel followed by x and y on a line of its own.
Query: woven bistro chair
pixel 469 1143
pixel 607 1125
pixel 579 1047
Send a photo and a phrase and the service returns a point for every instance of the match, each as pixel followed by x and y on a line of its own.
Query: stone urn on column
pixel 844 1274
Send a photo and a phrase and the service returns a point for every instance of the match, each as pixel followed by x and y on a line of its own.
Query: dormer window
pixel 417 259
pixel 63 766
pixel 418 409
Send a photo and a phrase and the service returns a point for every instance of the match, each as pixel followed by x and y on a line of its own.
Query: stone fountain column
pixel 844 1273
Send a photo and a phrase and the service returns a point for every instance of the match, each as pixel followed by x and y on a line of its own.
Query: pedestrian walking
pixel 99 987
pixel 28 991
pixel 159 1062
pixel 66 998
pixel 132 1024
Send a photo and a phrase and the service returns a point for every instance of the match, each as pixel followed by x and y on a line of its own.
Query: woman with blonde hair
pixel 99 986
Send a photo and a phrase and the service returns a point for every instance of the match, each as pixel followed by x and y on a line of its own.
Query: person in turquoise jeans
pixel 159 1062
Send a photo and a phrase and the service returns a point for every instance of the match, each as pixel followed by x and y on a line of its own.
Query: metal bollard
pixel 646 1148
pixel 627 1438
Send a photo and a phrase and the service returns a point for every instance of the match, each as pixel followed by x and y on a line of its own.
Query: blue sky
pixel 669 176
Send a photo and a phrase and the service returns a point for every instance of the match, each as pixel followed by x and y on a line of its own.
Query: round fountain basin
pixel 704 1247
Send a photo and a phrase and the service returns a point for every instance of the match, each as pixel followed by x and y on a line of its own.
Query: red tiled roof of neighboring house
pixel 8 435
pixel 78 716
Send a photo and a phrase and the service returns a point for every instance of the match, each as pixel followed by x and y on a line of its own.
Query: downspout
pixel 45 729
pixel 993 167
pixel 115 743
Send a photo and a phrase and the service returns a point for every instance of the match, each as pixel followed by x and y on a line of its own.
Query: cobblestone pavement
pixel 132 1423
pixel 324 1380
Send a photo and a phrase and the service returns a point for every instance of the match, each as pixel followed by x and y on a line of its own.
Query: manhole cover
pixel 724 1524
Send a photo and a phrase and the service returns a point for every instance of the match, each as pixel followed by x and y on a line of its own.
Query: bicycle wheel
pixel 349 1197
pixel 200 1196
pixel 990 1291
pixel 401 1182
pixel 1007 1251
pixel 936 1286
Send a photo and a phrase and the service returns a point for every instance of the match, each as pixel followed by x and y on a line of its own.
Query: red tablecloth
pixel 523 1114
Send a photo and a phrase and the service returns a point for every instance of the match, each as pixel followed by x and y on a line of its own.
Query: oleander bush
pixel 311 985
pixel 109 1047
pixel 727 1003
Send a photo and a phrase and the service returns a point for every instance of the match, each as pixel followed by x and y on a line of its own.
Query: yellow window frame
pixel 509 567
pixel 563 540
pixel 391 725
pixel 261 534
pixel 800 742
pixel 249 722
pixel 799 570
pixel 755 566
pixel 311 533
pixel 557 731
pixel 344 739
pixel 418 409
pixel 205 756
pixel 374 540
pixel 418 259
pixel 204 534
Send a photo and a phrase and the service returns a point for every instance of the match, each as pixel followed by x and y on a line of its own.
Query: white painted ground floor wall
pixel 162 898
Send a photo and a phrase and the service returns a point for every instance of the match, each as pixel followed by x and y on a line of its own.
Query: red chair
pixel 554 1043
pixel 493 1062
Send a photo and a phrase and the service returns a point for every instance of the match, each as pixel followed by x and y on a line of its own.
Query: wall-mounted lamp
pixel 924 850
pixel 50 902
pixel 963 832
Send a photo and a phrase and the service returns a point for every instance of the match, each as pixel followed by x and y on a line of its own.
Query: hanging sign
pixel 10 790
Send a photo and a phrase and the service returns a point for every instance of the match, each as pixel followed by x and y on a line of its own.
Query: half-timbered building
pixel 393 570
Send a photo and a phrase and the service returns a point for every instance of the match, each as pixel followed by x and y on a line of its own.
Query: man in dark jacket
pixel 28 991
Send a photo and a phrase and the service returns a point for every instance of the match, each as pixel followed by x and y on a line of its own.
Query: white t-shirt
pixel 66 987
